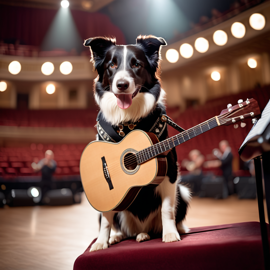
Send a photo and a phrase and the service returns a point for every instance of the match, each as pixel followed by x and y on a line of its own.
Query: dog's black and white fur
pixel 128 89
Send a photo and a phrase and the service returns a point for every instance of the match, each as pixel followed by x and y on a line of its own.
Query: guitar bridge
pixel 106 173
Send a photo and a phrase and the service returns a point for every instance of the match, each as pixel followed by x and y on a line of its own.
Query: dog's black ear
pixel 151 46
pixel 98 47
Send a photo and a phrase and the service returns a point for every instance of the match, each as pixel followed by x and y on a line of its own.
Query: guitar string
pixel 131 161
pixel 172 140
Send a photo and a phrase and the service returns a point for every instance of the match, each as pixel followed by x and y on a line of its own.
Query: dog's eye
pixel 136 65
pixel 113 65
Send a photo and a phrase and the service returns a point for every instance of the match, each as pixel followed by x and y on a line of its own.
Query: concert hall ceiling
pixel 86 5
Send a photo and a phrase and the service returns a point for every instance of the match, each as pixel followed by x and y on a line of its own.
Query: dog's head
pixel 125 70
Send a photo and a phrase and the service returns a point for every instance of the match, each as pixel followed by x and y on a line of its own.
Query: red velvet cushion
pixel 233 246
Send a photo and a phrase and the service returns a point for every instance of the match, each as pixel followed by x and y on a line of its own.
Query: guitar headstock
pixel 239 112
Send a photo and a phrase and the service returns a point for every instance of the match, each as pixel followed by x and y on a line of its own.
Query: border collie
pixel 127 89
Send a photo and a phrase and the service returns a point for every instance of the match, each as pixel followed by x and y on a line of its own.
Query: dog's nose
pixel 122 85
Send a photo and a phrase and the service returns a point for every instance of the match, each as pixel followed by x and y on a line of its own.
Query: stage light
pixel 215 75
pixel 257 21
pixel 66 68
pixel 238 30
pixel 186 50
pixel 172 55
pixel 64 4
pixel 252 63
pixel 3 86
pixel 201 45
pixel 47 68
pixel 220 37
pixel 86 4
pixel 14 67
pixel 50 89
pixel 34 192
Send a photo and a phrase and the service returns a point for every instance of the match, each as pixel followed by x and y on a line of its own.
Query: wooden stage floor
pixel 51 238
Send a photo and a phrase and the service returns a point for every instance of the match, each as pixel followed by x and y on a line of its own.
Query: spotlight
pixel 3 86
pixel 47 68
pixel 252 63
pixel 172 55
pixel 257 21
pixel 201 45
pixel 238 30
pixel 50 89
pixel 14 67
pixel 186 50
pixel 66 68
pixel 64 4
pixel 220 37
pixel 34 192
pixel 215 75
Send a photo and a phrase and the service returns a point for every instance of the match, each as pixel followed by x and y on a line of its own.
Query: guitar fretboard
pixel 163 146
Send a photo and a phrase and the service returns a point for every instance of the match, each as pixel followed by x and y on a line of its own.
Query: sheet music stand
pixel 257 146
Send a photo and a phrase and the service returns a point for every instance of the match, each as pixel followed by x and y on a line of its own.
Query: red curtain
pixel 29 25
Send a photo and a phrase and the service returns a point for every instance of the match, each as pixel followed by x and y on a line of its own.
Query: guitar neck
pixel 163 146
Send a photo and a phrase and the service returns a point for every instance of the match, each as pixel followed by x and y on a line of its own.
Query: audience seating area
pixel 48 118
pixel 17 161
pixel 209 140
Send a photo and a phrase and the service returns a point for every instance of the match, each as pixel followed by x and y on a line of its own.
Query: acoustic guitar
pixel 113 174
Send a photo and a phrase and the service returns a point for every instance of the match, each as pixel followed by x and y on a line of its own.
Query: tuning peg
pixel 229 106
pixel 243 125
pixel 240 101
pixel 254 121
pixel 247 101
pixel 235 126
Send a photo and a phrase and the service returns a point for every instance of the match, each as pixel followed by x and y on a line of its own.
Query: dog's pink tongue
pixel 124 101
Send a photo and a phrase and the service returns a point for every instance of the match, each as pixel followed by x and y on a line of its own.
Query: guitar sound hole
pixel 130 161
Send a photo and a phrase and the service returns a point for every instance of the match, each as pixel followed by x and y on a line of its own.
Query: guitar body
pixel 110 179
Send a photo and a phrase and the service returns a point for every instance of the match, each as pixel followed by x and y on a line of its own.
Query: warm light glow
pixel 201 45
pixel 47 68
pixel 66 68
pixel 238 30
pixel 257 21
pixel 14 67
pixel 3 86
pixel 86 4
pixel 252 63
pixel 215 75
pixel 220 37
pixel 64 4
pixel 50 89
pixel 34 192
pixel 186 50
pixel 172 55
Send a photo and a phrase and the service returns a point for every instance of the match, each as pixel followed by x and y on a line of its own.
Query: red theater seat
pixel 233 246
pixel 26 171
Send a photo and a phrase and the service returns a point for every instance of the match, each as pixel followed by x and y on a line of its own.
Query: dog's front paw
pixel 114 239
pixel 142 237
pixel 171 237
pixel 98 246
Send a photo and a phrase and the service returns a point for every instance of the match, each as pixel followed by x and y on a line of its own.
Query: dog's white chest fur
pixel 141 106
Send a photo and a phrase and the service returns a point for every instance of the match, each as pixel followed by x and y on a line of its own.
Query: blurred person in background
pixel 47 166
pixel 194 166
pixel 225 159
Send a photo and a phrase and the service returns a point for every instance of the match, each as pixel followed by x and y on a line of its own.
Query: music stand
pixel 257 146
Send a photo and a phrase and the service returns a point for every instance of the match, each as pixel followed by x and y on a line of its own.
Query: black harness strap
pixel 159 121
pixel 169 121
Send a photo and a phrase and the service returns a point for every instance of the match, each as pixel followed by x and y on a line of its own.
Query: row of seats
pixel 48 118
pixel 16 161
